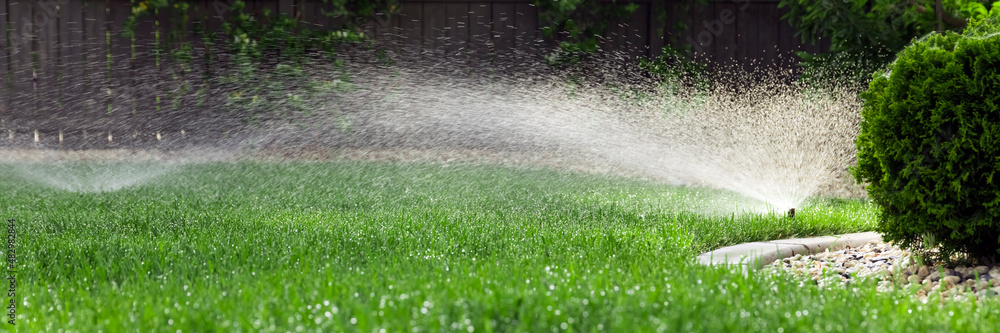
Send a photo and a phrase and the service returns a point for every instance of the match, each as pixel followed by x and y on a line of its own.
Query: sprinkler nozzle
pixel 791 212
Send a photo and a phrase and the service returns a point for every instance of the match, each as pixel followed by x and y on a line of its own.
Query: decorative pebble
pixel 923 272
pixel 894 269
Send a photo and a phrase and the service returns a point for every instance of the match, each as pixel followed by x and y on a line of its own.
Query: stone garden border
pixel 755 255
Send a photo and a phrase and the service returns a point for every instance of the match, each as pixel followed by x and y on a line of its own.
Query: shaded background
pixel 71 74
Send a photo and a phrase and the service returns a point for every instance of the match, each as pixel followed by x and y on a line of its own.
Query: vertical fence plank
pixel 74 91
pixel 145 72
pixel 175 68
pixel 106 59
pixel 615 39
pixel 311 15
pixel 788 39
pixel 703 40
pixel 21 66
pixel 411 36
pixel 391 36
pixel 699 39
pixel 334 22
pixel 750 45
pixel 123 94
pixel 626 36
pixel 768 36
pixel 433 21
pixel 95 33
pixel 637 32
pixel 262 7
pixel 504 33
pixel 456 32
pixel 381 24
pixel 5 91
pixel 725 41
pixel 744 22
pixel 655 39
pixel 526 24
pixel 46 21
pixel 669 26
pixel 286 7
pixel 199 62
pixel 189 70
pixel 215 14
pixel 66 59
pixel 479 28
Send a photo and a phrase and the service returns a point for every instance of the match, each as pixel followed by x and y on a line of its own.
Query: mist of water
pixel 102 171
pixel 93 177
pixel 761 136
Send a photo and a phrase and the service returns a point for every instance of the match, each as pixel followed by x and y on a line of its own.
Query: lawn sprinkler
pixel 791 212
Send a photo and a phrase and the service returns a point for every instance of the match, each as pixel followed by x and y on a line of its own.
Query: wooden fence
pixel 67 67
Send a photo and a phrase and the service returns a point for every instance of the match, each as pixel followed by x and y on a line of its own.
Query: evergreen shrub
pixel 929 143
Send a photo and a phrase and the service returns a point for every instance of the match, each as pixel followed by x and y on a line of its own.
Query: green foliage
pixel 930 141
pixel 979 11
pixel 674 67
pixel 865 35
pixel 263 55
pixel 577 24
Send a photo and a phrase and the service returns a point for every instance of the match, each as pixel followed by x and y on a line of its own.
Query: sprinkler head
pixel 791 212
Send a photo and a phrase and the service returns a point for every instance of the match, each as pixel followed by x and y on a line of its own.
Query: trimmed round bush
pixel 929 145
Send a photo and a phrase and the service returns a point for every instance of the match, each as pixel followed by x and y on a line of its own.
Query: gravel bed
pixel 894 269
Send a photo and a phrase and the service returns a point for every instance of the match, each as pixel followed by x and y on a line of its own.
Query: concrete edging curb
pixel 757 254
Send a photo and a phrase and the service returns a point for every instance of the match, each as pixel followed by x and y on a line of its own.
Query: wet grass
pixel 367 247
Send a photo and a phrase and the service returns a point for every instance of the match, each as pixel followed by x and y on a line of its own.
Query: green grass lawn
pixel 372 247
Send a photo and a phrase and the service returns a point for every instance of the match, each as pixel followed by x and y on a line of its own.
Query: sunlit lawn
pixel 366 247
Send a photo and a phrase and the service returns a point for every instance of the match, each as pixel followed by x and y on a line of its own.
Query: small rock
pixel 849 264
pixel 923 271
pixel 914 279
pixel 982 270
pixel 951 280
